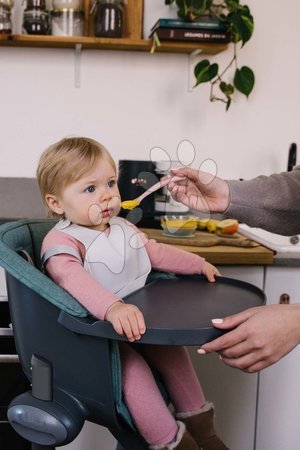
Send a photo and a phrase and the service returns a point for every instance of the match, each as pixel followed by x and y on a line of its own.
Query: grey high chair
pixel 72 358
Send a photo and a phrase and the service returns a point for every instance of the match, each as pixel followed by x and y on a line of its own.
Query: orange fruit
pixel 228 226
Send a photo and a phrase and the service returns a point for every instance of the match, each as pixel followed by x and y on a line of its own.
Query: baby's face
pixel 92 200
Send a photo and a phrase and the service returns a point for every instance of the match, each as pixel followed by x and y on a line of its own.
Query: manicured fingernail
pixel 201 351
pixel 220 357
pixel 217 320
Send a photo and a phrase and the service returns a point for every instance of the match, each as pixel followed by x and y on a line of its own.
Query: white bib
pixel 118 260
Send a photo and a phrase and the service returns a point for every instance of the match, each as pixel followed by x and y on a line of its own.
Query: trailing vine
pixel 240 23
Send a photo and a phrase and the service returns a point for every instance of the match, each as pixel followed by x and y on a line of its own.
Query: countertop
pixel 222 254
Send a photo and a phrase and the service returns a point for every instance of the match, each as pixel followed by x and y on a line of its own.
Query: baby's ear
pixel 54 204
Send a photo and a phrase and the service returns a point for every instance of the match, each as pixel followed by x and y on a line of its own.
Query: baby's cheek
pixel 94 214
pixel 115 204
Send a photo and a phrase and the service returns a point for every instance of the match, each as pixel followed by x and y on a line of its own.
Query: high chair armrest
pixel 159 336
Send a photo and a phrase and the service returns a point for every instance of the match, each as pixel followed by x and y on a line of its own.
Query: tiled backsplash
pixel 20 198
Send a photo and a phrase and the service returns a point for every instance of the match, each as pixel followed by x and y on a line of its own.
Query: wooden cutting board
pixel 202 239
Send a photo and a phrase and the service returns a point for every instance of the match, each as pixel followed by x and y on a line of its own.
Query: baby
pixel 99 258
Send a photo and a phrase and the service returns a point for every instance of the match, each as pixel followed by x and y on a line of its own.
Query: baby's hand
pixel 126 319
pixel 210 271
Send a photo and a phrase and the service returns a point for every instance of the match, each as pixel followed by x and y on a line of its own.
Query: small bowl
pixel 179 226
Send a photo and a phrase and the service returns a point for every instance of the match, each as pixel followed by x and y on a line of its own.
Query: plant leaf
pixel 191 9
pixel 242 25
pixel 169 2
pixel 227 89
pixel 232 5
pixel 204 71
pixel 244 80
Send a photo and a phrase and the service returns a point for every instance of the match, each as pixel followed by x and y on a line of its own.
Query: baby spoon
pixel 131 204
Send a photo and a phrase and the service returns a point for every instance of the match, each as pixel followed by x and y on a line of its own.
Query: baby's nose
pixel 105 195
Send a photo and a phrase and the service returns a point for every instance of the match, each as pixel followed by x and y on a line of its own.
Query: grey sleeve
pixel 59 250
pixel 269 202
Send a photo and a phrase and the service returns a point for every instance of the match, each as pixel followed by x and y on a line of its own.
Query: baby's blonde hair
pixel 66 161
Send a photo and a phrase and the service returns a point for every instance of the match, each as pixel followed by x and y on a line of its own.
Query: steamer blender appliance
pixel 135 177
pixel 164 204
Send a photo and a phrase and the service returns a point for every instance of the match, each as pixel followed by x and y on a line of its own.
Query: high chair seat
pixel 72 358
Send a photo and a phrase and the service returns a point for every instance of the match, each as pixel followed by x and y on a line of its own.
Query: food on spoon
pixel 130 204
pixel 227 226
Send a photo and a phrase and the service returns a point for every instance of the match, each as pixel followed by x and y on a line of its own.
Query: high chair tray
pixel 178 311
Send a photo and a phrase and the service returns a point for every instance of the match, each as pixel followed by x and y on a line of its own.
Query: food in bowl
pixel 179 226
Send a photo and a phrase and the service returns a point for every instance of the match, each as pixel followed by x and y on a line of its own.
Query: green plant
pixel 239 22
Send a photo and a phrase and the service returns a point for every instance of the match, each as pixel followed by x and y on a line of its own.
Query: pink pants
pixel 149 411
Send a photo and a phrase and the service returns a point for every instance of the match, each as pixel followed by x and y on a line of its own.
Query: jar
pixel 108 18
pixel 67 23
pixel 36 21
pixel 36 4
pixel 5 20
pixel 58 5
pixel 7 4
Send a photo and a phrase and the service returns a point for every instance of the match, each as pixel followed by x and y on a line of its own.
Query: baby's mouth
pixel 106 212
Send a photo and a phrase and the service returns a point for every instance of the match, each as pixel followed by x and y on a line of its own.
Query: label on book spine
pixel 182 34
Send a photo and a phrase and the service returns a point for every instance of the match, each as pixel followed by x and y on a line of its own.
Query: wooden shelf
pixel 144 45
pixel 132 41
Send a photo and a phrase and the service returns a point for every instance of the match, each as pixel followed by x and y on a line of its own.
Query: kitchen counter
pixel 221 254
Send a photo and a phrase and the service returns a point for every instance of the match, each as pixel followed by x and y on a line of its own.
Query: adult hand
pixel 199 190
pixel 126 319
pixel 259 338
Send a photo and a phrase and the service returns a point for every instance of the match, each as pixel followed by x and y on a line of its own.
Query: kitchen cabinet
pixel 92 436
pixel 131 40
pixel 234 393
pixel 279 387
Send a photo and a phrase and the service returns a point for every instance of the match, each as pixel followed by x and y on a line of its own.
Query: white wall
pixel 132 101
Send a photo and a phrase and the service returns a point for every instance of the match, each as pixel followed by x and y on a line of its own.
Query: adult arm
pixel 269 202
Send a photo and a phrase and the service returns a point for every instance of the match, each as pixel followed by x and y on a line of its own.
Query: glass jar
pixel 36 4
pixel 7 4
pixel 36 21
pixel 58 5
pixel 67 23
pixel 5 20
pixel 108 18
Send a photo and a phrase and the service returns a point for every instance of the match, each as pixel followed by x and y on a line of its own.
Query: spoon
pixel 131 204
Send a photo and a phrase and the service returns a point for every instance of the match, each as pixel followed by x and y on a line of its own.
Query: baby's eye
pixel 111 183
pixel 90 189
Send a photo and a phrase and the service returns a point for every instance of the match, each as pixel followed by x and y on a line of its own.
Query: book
pixel 205 22
pixel 185 34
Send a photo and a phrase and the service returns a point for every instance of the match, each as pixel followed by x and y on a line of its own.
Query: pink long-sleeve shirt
pixel 68 271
